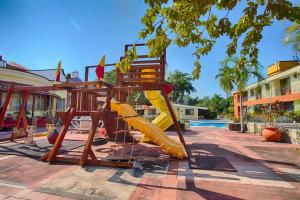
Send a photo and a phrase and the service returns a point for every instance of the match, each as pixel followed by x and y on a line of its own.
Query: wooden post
pixel 33 107
pixel 176 125
pixel 163 65
pixel 22 115
pixel 1 93
pixel 86 75
pixel 68 118
pixel 5 104
pixel 88 145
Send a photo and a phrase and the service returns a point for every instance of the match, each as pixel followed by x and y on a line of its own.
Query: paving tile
pixel 2 196
pixel 26 171
pixel 8 191
pixel 91 182
pixel 259 176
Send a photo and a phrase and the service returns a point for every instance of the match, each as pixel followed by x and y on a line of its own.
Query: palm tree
pixel 183 85
pixel 292 36
pixel 235 74
pixel 110 77
pixel 138 97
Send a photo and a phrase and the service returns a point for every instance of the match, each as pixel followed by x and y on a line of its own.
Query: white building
pixel 185 112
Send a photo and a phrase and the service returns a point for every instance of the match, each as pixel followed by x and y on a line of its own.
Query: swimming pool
pixel 210 123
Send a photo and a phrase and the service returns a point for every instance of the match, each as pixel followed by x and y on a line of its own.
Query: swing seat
pixel 42 134
pixel 99 141
pixel 53 136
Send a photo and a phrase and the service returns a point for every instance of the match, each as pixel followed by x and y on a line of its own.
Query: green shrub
pixel 210 115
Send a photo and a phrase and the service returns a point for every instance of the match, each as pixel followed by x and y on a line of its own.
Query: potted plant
pixel 271 131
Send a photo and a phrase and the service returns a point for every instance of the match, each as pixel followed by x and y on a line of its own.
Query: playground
pixel 121 155
pixel 106 107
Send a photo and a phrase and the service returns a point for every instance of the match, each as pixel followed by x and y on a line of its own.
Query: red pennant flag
pixel 168 88
pixel 100 68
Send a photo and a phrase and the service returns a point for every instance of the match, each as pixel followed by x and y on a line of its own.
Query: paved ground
pixel 264 171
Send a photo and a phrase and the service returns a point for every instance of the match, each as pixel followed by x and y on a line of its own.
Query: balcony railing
pixel 273 93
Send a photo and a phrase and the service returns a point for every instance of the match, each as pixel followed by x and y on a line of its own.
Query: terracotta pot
pixel 271 134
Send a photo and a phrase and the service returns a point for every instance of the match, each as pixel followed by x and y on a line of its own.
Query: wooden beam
pixel 100 163
pixel 86 74
pixel 32 107
pixel 176 125
pixel 21 115
pixel 92 155
pixel 141 67
pixel 72 85
pixel 62 133
pixel 88 145
pixel 145 61
pixel 6 103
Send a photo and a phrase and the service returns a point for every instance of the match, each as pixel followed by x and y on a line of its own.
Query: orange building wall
pixel 283 98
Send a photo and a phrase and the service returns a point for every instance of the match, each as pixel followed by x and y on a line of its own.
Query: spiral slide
pixel 154 132
pixel 164 119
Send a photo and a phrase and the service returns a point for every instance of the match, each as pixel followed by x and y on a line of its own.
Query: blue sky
pixel 37 34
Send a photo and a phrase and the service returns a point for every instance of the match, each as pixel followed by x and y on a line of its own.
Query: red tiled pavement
pixel 235 147
pixel 265 171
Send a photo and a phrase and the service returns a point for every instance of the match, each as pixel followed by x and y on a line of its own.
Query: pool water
pixel 210 123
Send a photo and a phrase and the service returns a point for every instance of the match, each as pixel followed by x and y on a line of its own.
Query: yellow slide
pixel 149 129
pixel 164 119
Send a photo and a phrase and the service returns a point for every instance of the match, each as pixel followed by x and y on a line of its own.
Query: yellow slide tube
pixel 152 131
pixel 164 119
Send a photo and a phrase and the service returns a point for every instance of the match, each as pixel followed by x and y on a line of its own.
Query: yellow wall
pixel 16 76
pixel 280 67
pixel 23 77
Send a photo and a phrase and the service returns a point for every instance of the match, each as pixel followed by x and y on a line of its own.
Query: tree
pixel 201 23
pixel 204 102
pixel 183 85
pixel 137 97
pixel 232 75
pixel 110 77
pixel 192 101
pixel 218 104
pixel 292 36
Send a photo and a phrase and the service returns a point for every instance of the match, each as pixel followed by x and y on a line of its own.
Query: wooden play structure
pixel 104 102
pixel 20 124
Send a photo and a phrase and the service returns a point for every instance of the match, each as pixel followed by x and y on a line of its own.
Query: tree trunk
pixel 241 113
pixel 181 98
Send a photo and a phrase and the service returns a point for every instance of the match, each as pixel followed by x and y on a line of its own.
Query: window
pixel 285 86
pixel 245 96
pixel 60 104
pixel 189 111
pixel 258 92
pixel 15 102
pixel 252 92
pixel 267 86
